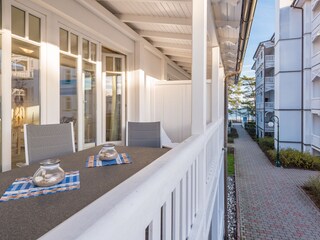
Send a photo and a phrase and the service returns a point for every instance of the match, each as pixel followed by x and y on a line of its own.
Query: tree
pixel 234 98
pixel 249 95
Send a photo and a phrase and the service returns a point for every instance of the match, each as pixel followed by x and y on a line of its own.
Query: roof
pixel 167 25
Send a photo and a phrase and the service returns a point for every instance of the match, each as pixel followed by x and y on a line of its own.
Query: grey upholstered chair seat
pixel 144 134
pixel 48 141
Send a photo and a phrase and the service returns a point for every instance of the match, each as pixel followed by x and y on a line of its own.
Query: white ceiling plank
pixel 178 54
pixel 166 35
pixel 172 45
pixel 156 20
pixel 148 1
pixel 234 24
pixel 184 64
pixel 180 59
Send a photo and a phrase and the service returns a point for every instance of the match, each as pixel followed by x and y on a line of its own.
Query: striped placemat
pixel 94 161
pixel 24 188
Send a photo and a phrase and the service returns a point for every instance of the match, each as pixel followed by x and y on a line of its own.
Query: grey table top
pixel 32 217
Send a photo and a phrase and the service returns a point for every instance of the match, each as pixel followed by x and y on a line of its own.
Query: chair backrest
pixel 144 134
pixel 48 141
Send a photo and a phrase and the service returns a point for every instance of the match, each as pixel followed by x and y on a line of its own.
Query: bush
pixel 266 143
pixel 295 159
pixel 251 129
pixel 233 134
pixel 312 187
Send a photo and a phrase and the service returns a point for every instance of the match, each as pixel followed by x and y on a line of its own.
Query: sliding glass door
pixel 114 99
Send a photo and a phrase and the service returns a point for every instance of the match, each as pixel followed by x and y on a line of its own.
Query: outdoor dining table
pixel 32 217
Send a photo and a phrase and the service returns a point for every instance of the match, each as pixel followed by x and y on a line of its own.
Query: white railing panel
pixel 145 199
pixel 189 200
pixel 316 141
pixel 269 105
pixel 183 209
pixel 155 227
pixel 269 80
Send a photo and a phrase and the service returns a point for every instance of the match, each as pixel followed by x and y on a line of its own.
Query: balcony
pixel 269 61
pixel 315 103
pixel 269 106
pixel 267 128
pixel 315 141
pixel 259 81
pixel 259 105
pixel 269 84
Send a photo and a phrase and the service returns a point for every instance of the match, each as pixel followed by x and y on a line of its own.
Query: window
pixel 25 79
pixel 19 28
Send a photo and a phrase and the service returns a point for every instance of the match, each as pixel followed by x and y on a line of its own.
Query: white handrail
pixel 175 178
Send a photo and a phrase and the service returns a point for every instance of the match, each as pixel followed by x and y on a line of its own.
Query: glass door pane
pixel 113 95
pixel 89 79
pixel 113 106
pixel 68 91
pixel 25 93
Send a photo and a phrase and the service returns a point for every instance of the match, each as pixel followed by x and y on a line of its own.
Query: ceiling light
pixel 26 50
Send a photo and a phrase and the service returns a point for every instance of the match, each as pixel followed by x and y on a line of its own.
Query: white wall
pixel 172 106
pixel 288 74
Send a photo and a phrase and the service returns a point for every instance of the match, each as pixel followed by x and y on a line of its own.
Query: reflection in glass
pixel 18 21
pixel 25 93
pixel 68 91
pixel 0 102
pixel 34 28
pixel 93 52
pixel 113 102
pixel 74 44
pixel 89 73
pixel 63 40
pixel 85 49
pixel 109 64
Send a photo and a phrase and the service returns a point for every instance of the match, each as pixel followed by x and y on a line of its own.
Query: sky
pixel 262 29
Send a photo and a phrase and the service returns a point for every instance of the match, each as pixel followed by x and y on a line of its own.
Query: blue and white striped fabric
pixel 94 161
pixel 24 188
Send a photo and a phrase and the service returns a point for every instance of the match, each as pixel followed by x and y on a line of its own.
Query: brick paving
pixel 272 206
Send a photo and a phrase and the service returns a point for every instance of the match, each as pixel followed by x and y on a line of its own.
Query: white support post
pixel 140 79
pixel 6 86
pixel 214 83
pixel 52 90
pixel 199 63
pixel 199 98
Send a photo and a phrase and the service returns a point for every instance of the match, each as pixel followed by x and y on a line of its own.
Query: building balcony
pixel 269 61
pixel 259 81
pixel 269 106
pixel 259 105
pixel 315 103
pixel 315 141
pixel 267 128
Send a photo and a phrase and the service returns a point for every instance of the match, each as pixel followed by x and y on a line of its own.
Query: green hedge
pixel 266 143
pixel 296 159
pixel 313 189
pixel 251 129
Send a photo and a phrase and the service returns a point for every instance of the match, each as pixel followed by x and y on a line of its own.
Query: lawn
pixel 230 164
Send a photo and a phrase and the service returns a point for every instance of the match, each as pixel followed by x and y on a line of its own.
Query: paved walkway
pixel 272 206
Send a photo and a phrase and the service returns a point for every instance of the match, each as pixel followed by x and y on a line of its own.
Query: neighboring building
pixel 297 74
pixel 264 71
pixel 101 63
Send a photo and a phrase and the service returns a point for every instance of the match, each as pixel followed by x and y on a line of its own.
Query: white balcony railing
pixel 269 80
pixel 315 4
pixel 259 105
pixel 259 81
pixel 316 141
pixel 269 105
pixel 175 197
pixel 269 61
pixel 267 128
